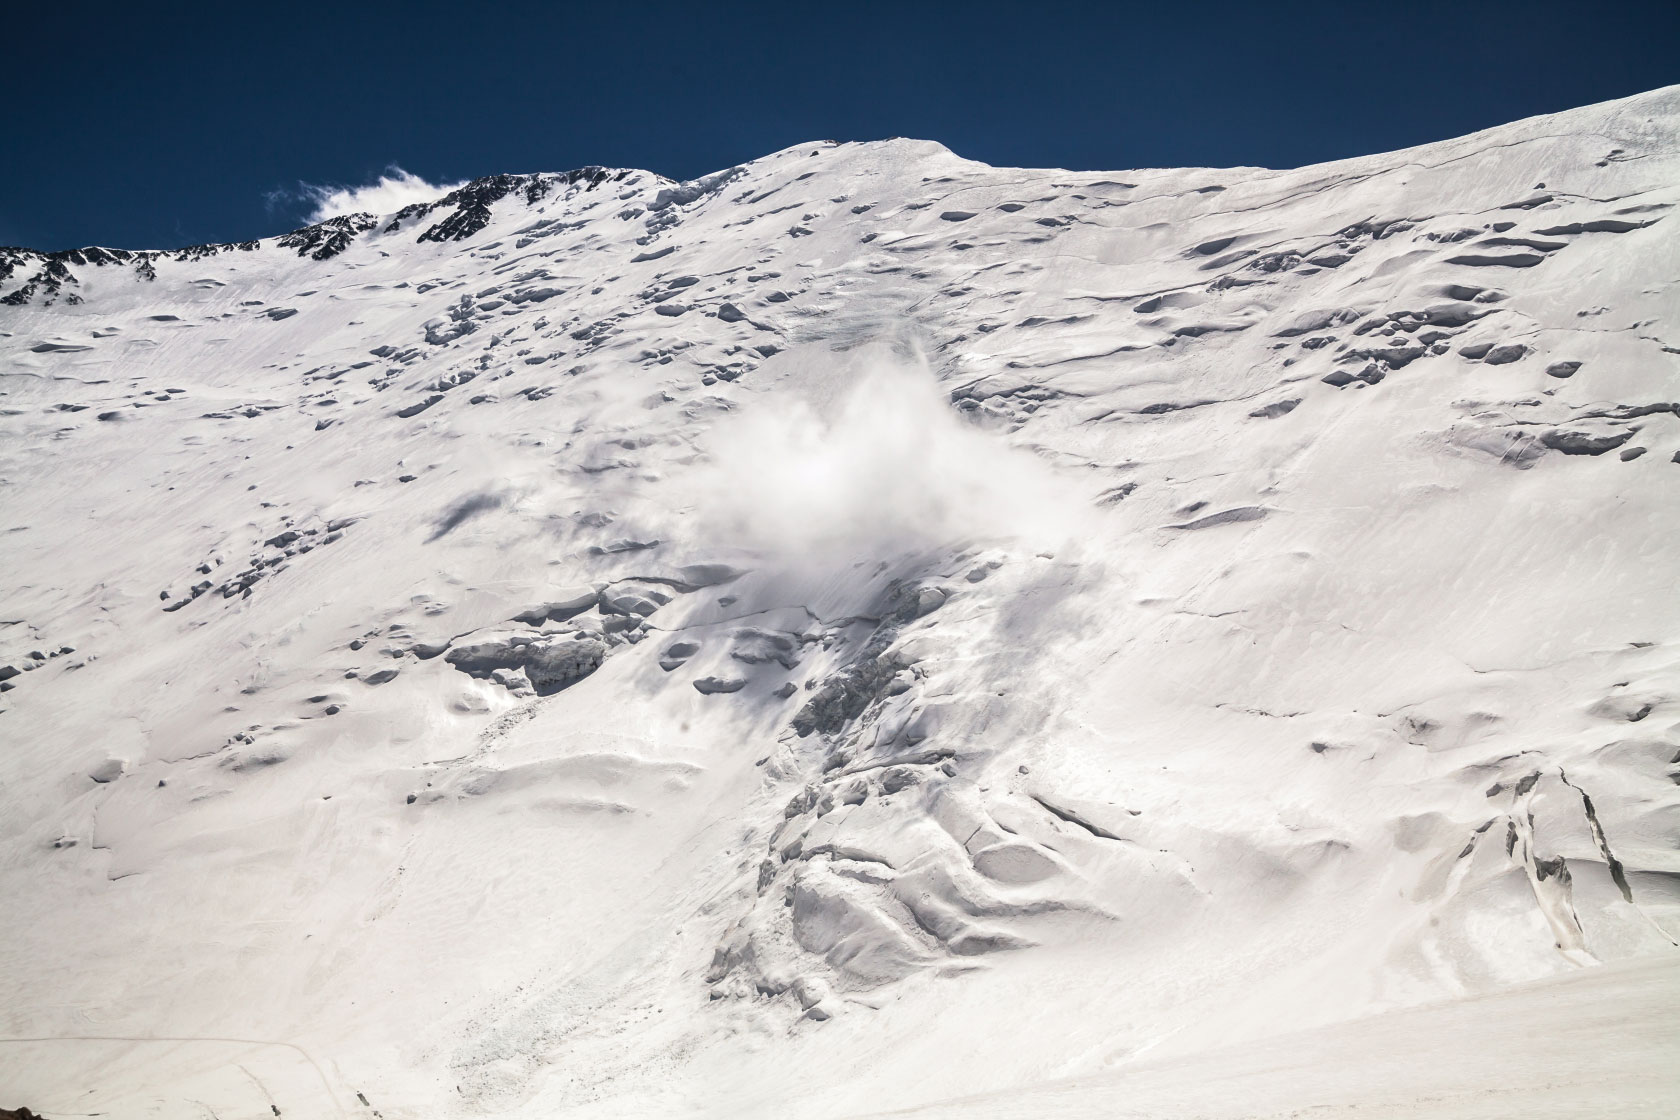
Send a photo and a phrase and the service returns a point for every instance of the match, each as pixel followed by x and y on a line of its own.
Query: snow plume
pixel 393 190
pixel 872 461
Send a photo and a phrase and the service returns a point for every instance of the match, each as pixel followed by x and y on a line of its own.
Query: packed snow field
pixel 860 631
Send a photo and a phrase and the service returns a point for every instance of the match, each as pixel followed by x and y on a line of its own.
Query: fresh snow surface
pixel 1597 1042
pixel 857 631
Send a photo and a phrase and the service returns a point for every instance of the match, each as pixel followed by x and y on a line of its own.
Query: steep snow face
pixel 858 629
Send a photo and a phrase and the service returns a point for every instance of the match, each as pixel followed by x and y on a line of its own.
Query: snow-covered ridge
pixel 468 209
pixel 857 629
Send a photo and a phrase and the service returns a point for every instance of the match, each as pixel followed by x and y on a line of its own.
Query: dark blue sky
pixel 156 125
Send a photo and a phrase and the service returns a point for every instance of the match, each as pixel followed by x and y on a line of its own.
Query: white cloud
pixel 394 190
pixel 882 467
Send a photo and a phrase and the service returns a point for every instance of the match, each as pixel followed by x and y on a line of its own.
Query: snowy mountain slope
pixel 859 629
pixel 1598 1042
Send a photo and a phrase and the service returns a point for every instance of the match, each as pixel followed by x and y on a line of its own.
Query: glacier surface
pixel 860 630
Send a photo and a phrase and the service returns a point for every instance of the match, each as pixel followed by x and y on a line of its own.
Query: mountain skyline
pixel 202 123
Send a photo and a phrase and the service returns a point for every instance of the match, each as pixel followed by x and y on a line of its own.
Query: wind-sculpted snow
pixel 858 629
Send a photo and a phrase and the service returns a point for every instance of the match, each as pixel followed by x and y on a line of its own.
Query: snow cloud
pixel 882 467
pixel 392 191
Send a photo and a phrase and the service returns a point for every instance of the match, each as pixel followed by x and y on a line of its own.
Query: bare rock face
pixel 555 663
pixel 848 693
pixel 1581 441
pixel 549 662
